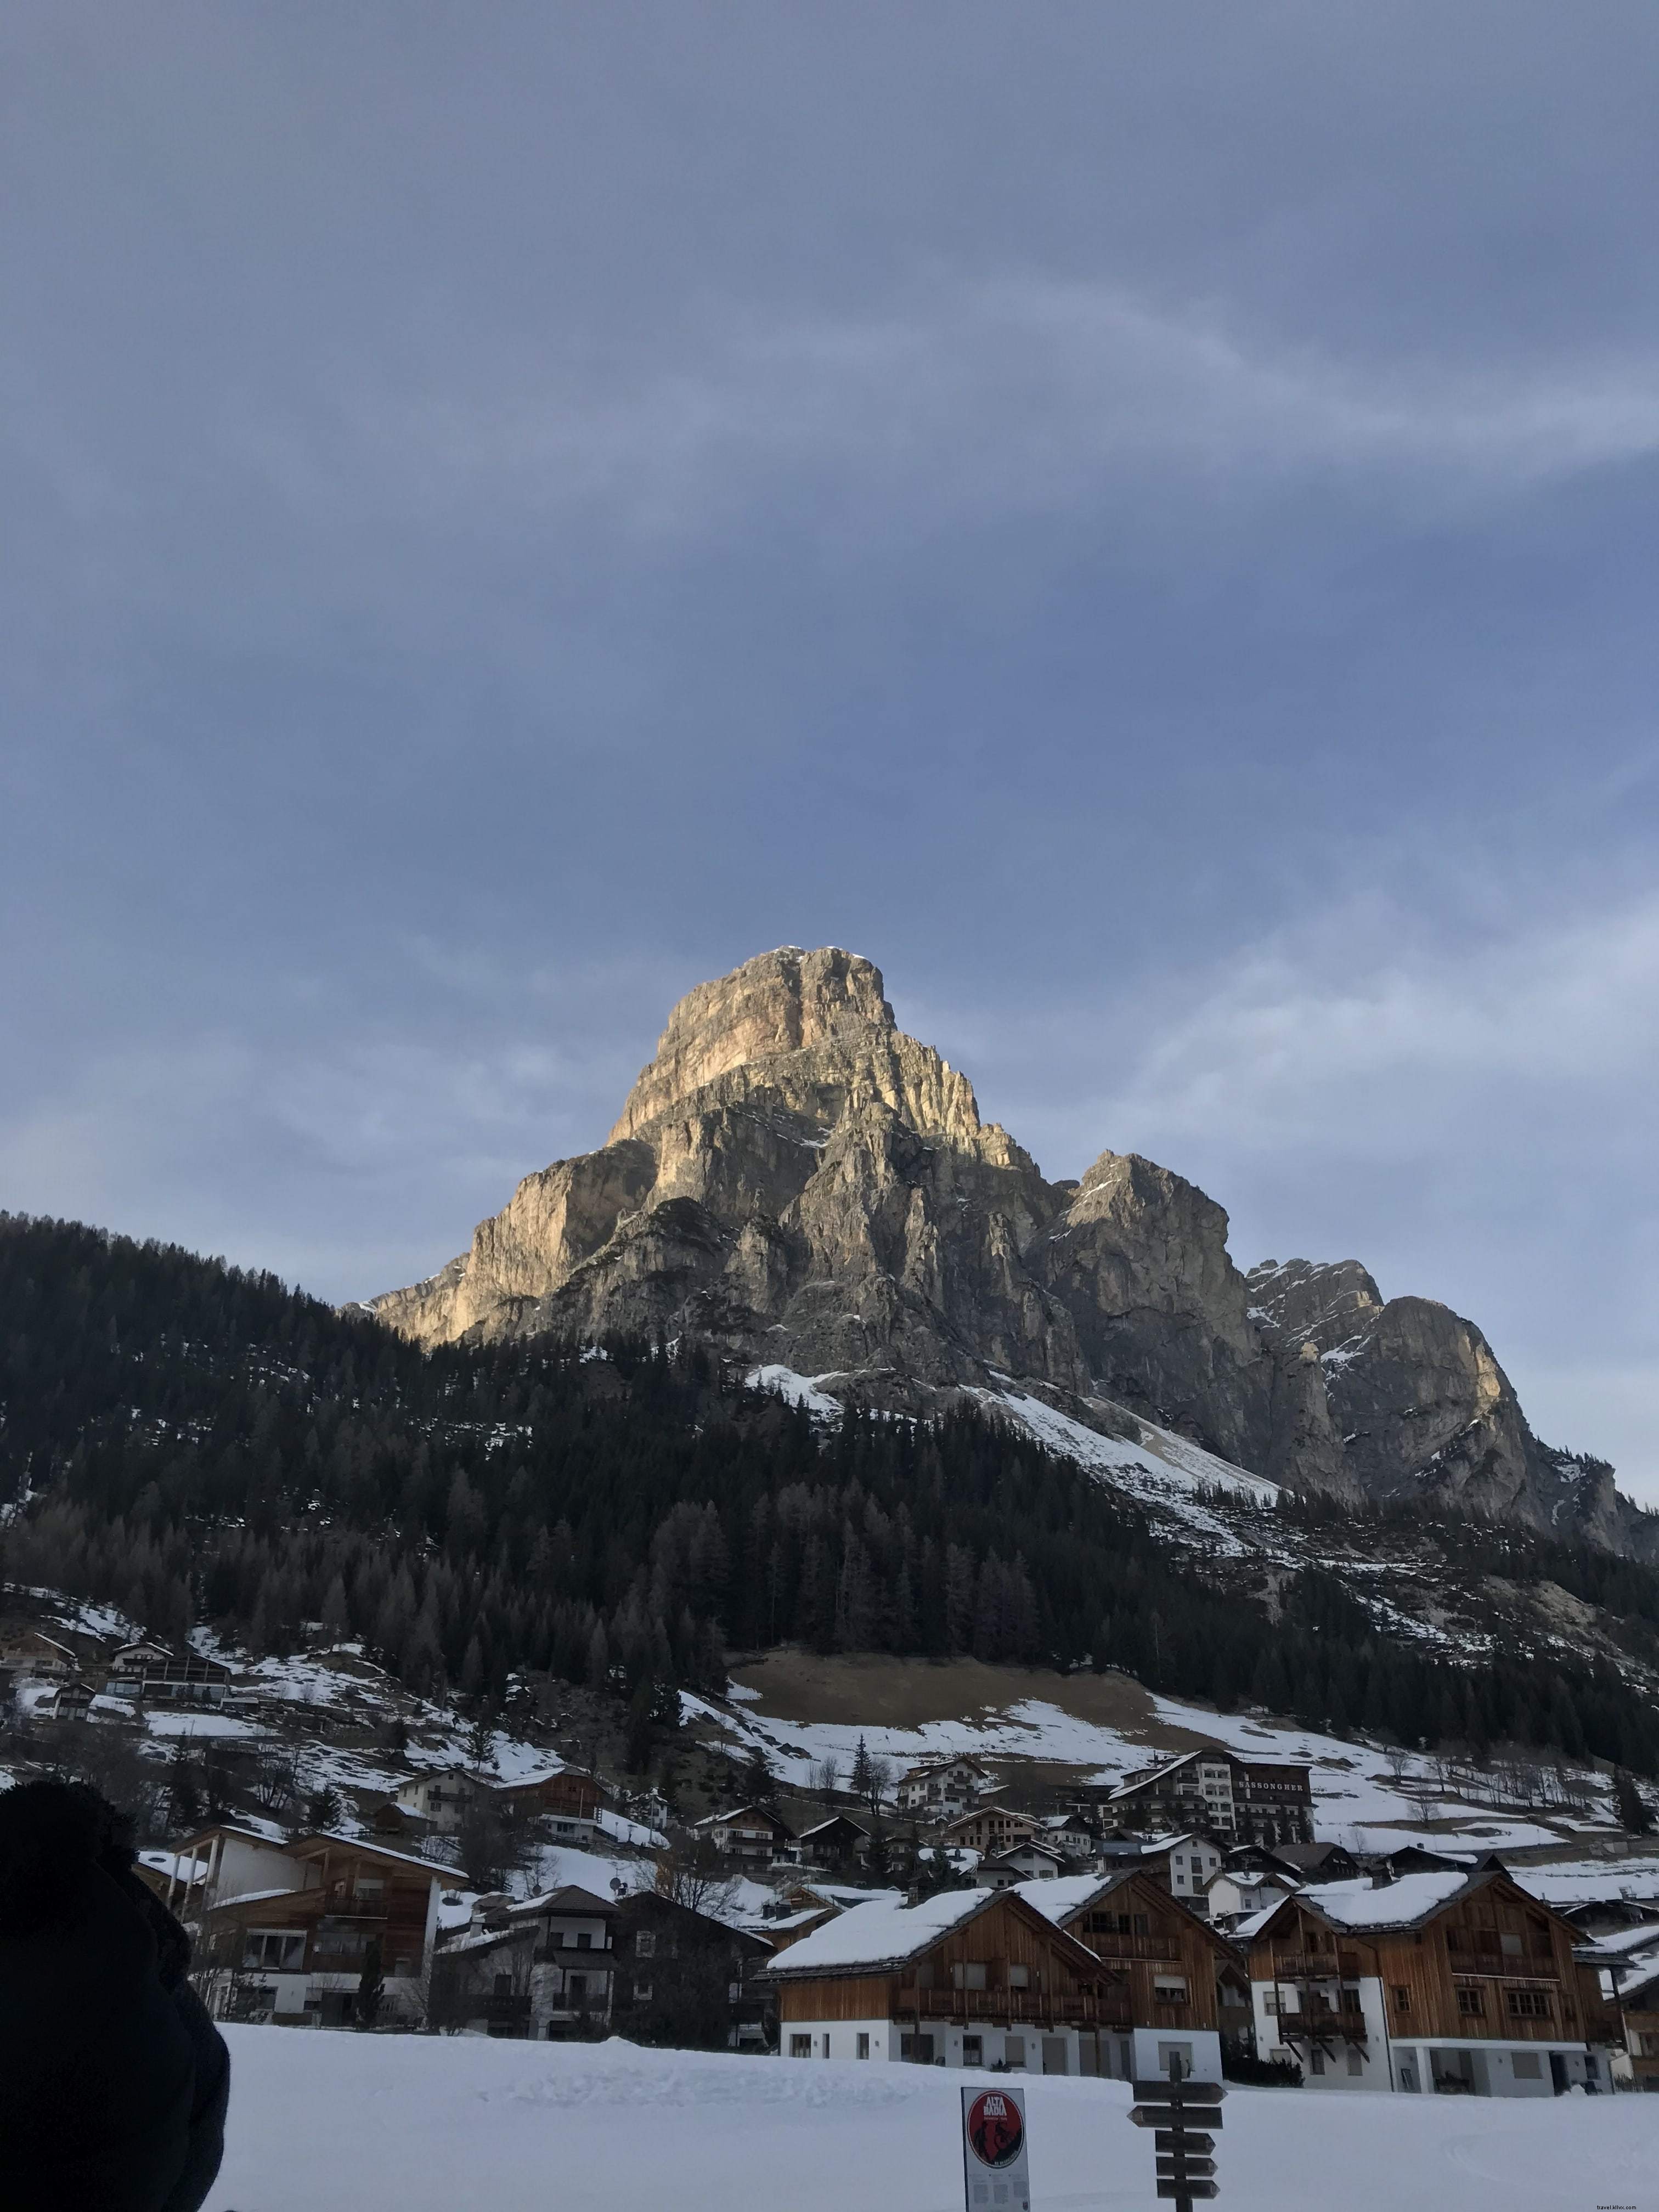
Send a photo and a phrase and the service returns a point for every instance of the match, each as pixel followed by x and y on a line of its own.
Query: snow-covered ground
pixel 337 2122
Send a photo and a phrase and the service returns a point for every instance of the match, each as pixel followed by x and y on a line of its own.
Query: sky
pixel 1141 521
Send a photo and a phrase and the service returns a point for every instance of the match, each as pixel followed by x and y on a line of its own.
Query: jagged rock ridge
pixel 794 1178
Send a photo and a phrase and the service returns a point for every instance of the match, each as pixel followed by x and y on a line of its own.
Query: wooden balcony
pixel 1312 1967
pixel 1018 2008
pixel 1493 1966
pixel 1296 2027
pixel 1158 1948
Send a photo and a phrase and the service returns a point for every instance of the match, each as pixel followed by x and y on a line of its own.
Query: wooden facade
pixel 1410 2005
pixel 1006 1964
pixel 1148 1943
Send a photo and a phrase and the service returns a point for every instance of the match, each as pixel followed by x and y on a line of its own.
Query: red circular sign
pixel 995 2129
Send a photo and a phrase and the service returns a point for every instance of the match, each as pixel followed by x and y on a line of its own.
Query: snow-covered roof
pixel 258 1897
pixel 882 1933
pixel 1068 1895
pixel 570 1899
pixel 379 1851
pixel 1398 1904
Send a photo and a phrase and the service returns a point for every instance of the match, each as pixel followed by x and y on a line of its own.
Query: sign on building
pixel 995 2172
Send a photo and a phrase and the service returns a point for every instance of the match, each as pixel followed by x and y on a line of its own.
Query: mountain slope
pixel 795 1180
pixel 190 1443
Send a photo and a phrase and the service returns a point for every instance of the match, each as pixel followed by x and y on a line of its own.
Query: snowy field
pixel 334 2123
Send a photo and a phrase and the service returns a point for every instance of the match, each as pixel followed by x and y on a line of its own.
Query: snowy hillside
pixel 395 2123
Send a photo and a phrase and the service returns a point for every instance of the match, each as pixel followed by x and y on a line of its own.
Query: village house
pixel 1623 1964
pixel 440 1797
pixel 1184 1865
pixel 1162 1964
pixel 1454 1982
pixel 1236 1894
pixel 150 1673
pixel 567 1802
pixel 690 1981
pixel 1068 1833
pixel 752 1834
pixel 1221 1795
pixel 966 1978
pixel 1029 1861
pixel 941 1789
pixel 29 1655
pixel 285 1930
pixel 837 1842
pixel 543 1969
pixel 989 1827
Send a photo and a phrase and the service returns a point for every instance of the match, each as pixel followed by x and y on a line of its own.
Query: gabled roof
pixel 572 1899
pixel 329 1837
pixel 1065 1901
pixel 1028 1844
pixel 742 1812
pixel 1135 1783
pixel 884 1936
pixel 835 1820
pixel 1363 1907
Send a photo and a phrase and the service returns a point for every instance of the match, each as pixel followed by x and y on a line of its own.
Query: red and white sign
pixel 993 2165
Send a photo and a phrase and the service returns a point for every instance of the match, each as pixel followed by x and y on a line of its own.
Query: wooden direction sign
pixel 1180 2111
pixel 1161 2091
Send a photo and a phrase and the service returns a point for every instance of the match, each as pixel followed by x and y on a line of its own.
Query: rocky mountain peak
pixel 796 1180
pixel 781 1002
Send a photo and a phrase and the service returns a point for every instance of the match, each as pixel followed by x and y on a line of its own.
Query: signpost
pixel 1181 2111
pixel 995 2175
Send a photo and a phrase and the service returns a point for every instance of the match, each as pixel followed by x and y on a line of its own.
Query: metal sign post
pixel 995 2176
pixel 1180 2110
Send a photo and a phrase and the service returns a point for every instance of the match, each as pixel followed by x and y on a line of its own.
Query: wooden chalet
pixel 151 1673
pixel 966 1978
pixel 1455 1981
pixel 988 1827
pixel 752 1834
pixel 284 1930
pixel 837 1842
pixel 1163 1966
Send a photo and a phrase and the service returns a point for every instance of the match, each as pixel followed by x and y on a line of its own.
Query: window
pixel 918 2049
pixel 645 1943
pixel 576 1987
pixel 641 1992
pixel 800 2046
pixel 861 2045
pixel 1472 2004
pixel 1511 1946
pixel 826 2047
pixel 1402 1999
pixel 1529 2004
pixel 1270 2002
pixel 1355 2061
pixel 584 1941
pixel 968 1974
pixel 1316 2060
pixel 1170 1989
pixel 503 1985
pixel 280 1948
pixel 1527 2066
pixel 1019 1976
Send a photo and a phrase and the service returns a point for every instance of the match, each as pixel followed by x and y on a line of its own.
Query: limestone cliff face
pixel 1424 1410
pixel 798 1180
